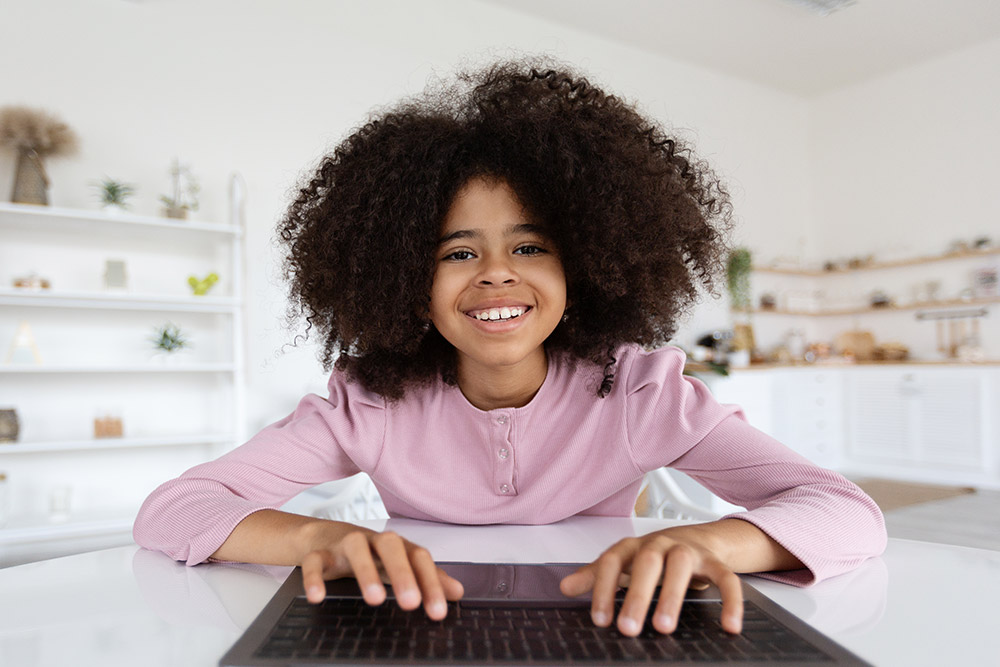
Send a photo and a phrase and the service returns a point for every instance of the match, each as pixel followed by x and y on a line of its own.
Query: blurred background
pixel 859 140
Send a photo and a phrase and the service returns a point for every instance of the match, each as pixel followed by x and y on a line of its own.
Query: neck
pixel 491 387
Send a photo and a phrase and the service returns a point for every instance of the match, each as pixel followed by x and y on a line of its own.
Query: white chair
pixel 667 500
pixel 356 499
pixel 351 499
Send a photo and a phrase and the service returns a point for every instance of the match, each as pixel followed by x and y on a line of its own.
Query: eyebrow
pixel 522 228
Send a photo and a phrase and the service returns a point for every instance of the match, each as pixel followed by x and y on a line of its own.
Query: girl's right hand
pixel 372 558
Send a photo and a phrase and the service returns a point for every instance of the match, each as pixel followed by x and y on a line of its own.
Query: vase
pixel 742 344
pixel 176 212
pixel 9 425
pixel 31 184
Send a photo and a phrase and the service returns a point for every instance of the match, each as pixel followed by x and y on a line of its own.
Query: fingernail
pixel 662 621
pixel 600 618
pixel 438 608
pixel 409 597
pixel 314 593
pixel 373 592
pixel 628 625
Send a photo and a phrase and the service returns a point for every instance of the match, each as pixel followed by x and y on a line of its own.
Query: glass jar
pixel 4 500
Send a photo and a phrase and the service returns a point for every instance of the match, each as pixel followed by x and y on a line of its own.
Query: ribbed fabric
pixel 435 456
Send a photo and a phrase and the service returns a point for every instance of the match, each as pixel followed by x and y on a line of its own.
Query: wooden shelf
pixel 876 266
pixel 15 448
pixel 836 365
pixel 930 305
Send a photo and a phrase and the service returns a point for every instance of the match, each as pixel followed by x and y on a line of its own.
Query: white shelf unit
pixel 67 490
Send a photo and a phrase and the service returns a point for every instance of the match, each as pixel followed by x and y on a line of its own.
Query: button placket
pixel 503 451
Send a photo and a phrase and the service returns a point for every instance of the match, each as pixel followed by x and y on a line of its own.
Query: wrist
pixel 740 545
pixel 321 534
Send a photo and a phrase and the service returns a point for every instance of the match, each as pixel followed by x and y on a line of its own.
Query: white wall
pixel 904 165
pixel 266 87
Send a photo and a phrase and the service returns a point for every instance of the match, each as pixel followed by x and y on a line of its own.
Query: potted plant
pixel 114 194
pixel 35 135
pixel 738 278
pixel 738 269
pixel 168 340
pixel 184 195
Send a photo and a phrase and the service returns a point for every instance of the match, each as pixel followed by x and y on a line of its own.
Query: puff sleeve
pixel 823 519
pixel 189 517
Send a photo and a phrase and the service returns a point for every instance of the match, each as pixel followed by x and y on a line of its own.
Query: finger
pixel 314 566
pixel 647 567
pixel 732 599
pixel 680 562
pixel 429 582
pixel 391 550
pixel 580 582
pixel 607 569
pixel 453 588
pixel 359 555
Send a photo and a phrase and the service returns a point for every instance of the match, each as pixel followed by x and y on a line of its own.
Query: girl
pixel 494 269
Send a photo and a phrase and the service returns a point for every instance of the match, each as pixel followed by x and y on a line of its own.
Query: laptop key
pixel 349 630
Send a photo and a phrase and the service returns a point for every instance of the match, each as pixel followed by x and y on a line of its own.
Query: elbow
pixel 148 529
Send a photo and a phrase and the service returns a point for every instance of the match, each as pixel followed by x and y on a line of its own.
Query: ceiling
pixel 779 43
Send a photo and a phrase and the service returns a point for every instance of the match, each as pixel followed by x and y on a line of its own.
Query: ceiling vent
pixel 822 7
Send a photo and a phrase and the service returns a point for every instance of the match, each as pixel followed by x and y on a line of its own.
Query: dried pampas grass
pixel 23 128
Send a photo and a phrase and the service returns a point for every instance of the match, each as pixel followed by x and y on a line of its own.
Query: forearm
pixel 740 545
pixel 272 537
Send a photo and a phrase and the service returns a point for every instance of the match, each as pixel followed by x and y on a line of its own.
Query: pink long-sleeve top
pixel 435 456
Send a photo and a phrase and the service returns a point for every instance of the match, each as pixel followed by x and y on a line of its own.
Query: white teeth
pixel 496 314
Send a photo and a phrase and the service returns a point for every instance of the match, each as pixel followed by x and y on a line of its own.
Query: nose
pixel 496 270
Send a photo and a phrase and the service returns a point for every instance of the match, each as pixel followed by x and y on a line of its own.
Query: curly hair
pixel 639 222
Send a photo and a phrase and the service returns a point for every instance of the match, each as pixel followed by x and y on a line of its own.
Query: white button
pixel 502 419
pixel 503 453
pixel 504 488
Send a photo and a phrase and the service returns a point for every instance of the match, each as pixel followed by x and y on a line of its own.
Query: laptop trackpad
pixel 497 584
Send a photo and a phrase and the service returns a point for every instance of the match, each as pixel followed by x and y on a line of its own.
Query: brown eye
pixel 529 250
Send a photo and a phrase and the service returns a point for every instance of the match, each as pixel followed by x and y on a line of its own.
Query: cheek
pixel 443 293
pixel 555 285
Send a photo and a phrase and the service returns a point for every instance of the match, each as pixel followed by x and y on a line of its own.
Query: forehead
pixel 485 206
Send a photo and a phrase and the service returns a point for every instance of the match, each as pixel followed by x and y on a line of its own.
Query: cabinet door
pixel 880 417
pixel 808 413
pixel 752 391
pixel 928 418
pixel 949 421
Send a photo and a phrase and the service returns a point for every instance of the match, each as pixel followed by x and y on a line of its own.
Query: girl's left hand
pixel 672 558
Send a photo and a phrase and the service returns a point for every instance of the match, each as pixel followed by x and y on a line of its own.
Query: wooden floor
pixel 971 520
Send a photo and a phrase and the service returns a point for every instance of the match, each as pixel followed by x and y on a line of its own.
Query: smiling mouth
pixel 504 314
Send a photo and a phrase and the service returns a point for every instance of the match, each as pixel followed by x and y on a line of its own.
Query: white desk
pixel 920 604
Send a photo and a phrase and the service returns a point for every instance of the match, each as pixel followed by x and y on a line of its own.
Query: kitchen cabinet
pixel 931 423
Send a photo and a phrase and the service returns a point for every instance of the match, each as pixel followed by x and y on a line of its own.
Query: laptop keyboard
pixel 350 631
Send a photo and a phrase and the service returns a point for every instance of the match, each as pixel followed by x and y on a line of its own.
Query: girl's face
pixel 499 289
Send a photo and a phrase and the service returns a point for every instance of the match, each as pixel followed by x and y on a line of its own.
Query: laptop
pixel 515 614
